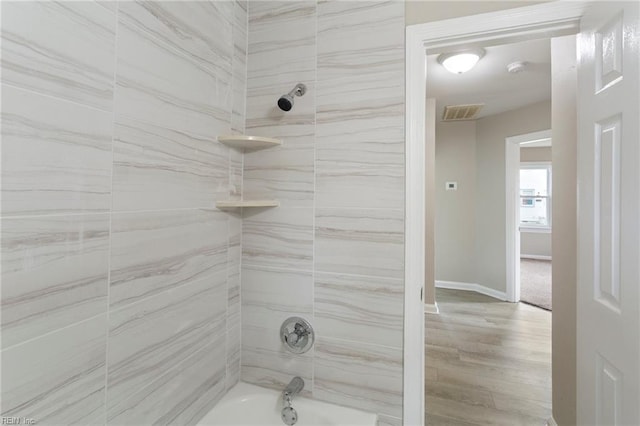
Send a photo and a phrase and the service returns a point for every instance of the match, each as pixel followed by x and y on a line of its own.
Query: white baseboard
pixel 551 422
pixel 454 285
pixel 431 308
pixel 534 257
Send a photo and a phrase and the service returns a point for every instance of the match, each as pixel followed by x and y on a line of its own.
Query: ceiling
pixel 490 83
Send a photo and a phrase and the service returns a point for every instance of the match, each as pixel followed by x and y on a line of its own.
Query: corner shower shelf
pixel 236 204
pixel 243 142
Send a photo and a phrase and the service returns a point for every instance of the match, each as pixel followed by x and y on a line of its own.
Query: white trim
pixel 551 422
pixel 431 308
pixel 535 230
pixel 512 214
pixel 534 257
pixel 415 239
pixel 455 285
pixel 546 19
pixel 532 137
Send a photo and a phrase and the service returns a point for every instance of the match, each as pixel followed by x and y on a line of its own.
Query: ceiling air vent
pixel 461 112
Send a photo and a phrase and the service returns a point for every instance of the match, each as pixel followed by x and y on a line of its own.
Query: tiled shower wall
pixel 334 251
pixel 120 279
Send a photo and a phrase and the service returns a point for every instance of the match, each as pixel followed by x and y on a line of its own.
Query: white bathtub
pixel 247 404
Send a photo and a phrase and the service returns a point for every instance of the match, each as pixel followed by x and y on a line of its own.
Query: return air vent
pixel 461 112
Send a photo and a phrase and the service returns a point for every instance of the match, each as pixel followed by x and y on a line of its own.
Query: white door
pixel 608 324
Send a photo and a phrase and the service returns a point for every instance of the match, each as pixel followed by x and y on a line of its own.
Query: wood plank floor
pixel 487 362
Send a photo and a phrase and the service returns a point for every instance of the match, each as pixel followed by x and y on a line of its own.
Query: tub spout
pixel 294 387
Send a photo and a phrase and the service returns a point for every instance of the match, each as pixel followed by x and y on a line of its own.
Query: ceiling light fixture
pixel 462 61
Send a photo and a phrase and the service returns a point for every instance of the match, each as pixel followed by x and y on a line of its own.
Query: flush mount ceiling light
pixel 462 61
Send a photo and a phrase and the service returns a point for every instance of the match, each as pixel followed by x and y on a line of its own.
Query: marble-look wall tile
pixel 182 396
pixel 54 273
pixel 360 113
pixel 278 238
pixel 389 421
pixel 234 258
pixel 266 363
pixel 154 335
pixel 280 59
pixel 359 375
pixel 360 158
pixel 58 378
pixel 284 173
pixel 159 168
pixel 201 31
pixel 155 251
pixel 268 298
pixel 360 242
pixel 364 309
pixel 239 65
pixel 56 155
pixel 68 54
pixel 271 296
pixel 168 86
pixel 234 342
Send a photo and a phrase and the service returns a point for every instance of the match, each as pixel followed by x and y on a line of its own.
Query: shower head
pixel 285 102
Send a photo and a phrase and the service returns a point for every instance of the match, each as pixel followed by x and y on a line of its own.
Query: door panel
pixel 608 351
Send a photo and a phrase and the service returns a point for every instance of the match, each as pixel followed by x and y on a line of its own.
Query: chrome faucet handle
pixel 297 335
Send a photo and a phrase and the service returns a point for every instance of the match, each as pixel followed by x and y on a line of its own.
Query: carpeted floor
pixel 535 282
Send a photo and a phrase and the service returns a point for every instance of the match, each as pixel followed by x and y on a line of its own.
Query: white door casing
pixel 608 306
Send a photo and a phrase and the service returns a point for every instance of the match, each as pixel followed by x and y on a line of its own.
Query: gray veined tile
pixel 282 53
pixel 278 238
pixel 148 338
pixel 56 155
pixel 236 161
pixel 360 242
pixel 59 378
pixel 201 31
pixel 155 251
pixel 68 54
pixel 389 421
pixel 266 363
pixel 359 375
pixel 234 258
pixel 54 273
pixel 167 88
pixel 234 341
pixel 360 158
pixel 360 51
pixel 285 173
pixel 239 66
pixel 159 168
pixel 363 309
pixel 182 395
pixel 269 296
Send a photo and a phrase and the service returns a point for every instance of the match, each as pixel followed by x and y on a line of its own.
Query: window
pixel 535 195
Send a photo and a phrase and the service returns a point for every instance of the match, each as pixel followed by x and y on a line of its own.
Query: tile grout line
pixel 113 140
pixel 244 130
pixel 57 98
pixel 313 221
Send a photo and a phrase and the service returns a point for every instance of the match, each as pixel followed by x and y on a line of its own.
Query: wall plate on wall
pixel 451 186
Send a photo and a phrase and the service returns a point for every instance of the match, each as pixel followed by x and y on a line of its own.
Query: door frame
pixel 512 213
pixel 544 20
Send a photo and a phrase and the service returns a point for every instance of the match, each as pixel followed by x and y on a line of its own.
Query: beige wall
pixel 563 69
pixel 536 154
pixel 535 243
pixel 455 210
pixel 490 201
pixel 418 12
pixel 430 207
